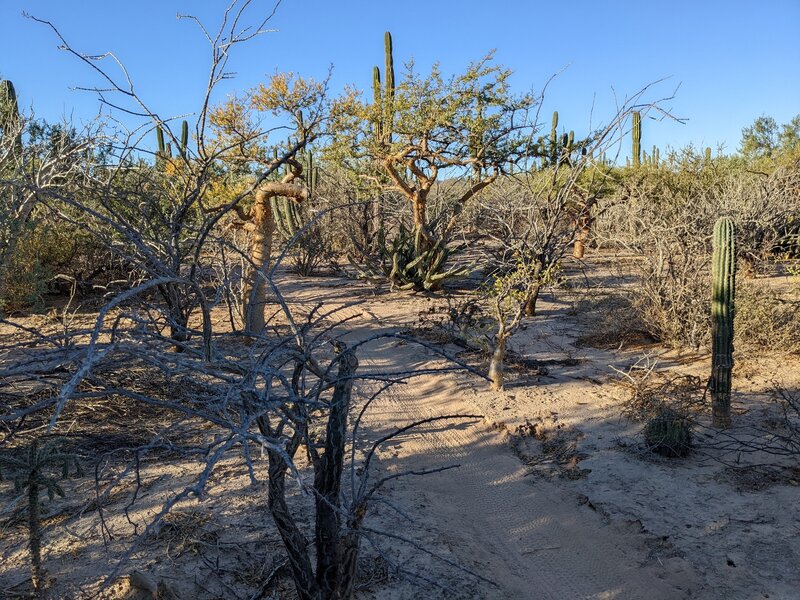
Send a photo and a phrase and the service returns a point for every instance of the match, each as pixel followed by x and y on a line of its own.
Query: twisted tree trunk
pixel 255 285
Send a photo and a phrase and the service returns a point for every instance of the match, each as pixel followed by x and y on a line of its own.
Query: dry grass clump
pixel 611 322
pixel 665 405
pixel 767 319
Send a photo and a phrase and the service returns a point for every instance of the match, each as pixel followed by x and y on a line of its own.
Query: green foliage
pixel 433 120
pixel 766 139
pixel 290 215
pixel 311 247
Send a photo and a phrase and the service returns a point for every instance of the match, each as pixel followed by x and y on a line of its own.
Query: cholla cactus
pixel 39 467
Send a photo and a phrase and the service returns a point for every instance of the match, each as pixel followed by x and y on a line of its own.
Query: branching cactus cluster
pixel 723 274
pixel 408 261
pixel 164 152
pixel 289 214
pixel 383 95
pixel 555 149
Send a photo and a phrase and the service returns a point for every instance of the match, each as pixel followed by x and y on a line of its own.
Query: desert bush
pixel 765 318
pixel 664 217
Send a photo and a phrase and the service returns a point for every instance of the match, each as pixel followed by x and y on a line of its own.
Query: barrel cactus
pixel 668 433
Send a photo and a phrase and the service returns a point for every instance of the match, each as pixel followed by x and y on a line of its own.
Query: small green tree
pixel 430 127
pixel 760 139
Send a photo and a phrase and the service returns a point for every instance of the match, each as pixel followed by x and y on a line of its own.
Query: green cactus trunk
pixel 554 139
pixel 377 98
pixel 9 114
pixel 184 138
pixel 636 135
pixel 35 533
pixel 723 274
pixel 388 120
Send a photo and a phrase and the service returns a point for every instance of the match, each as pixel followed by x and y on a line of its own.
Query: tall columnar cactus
pixel 708 154
pixel 636 135
pixel 9 113
pixel 287 212
pixel 164 151
pixel 377 98
pixel 723 274
pixel 184 138
pixel 554 138
pixel 383 96
pixel 389 66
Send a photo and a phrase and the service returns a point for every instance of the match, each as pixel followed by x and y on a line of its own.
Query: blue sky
pixel 734 60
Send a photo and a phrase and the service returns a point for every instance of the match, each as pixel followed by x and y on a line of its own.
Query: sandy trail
pixel 532 538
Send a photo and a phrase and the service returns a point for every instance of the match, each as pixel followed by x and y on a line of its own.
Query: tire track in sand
pixel 529 536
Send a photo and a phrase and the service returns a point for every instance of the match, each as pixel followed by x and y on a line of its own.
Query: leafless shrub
pixel 767 318
pixel 650 392
pixel 664 217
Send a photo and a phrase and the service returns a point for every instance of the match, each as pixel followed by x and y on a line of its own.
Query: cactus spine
pixel 723 275
pixel 636 135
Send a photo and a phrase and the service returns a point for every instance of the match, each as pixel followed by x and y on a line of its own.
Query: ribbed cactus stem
pixel 9 113
pixel 388 94
pixel 184 138
pixel 636 135
pixel 708 154
pixel 723 275
pixel 554 138
pixel 378 101
pixel 160 140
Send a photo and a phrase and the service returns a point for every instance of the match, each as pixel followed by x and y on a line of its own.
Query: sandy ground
pixel 553 497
